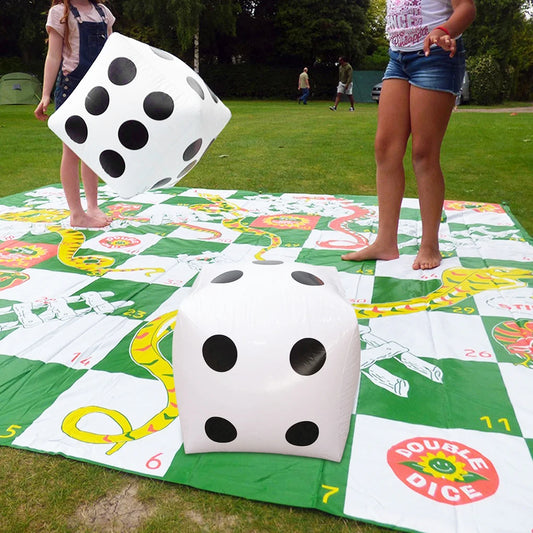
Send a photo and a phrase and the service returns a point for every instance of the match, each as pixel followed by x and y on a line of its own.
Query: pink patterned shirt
pixel 71 57
pixel 410 21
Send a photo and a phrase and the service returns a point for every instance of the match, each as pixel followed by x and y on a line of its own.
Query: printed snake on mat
pixel 145 352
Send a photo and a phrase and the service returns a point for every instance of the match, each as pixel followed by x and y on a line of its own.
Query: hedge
pixel 268 82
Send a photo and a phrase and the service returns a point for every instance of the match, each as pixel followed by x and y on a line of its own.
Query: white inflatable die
pixel 266 359
pixel 140 118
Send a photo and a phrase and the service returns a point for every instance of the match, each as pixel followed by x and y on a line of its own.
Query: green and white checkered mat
pixel 441 436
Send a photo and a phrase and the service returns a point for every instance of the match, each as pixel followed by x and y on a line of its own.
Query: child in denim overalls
pixel 77 31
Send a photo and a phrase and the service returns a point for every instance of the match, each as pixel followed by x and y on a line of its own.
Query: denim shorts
pixel 437 72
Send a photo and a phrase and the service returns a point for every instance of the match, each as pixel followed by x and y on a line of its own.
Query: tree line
pixel 287 33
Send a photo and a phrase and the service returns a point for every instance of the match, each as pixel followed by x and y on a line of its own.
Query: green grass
pixel 267 146
pixel 280 146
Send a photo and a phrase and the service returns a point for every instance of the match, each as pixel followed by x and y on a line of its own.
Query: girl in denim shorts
pixel 424 74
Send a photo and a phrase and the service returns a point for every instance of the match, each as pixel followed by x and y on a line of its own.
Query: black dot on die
pixel 161 183
pixel 158 105
pixel 228 277
pixel 122 71
pixel 162 53
pixel 213 96
pixel 302 434
pixel 220 353
pixel 133 134
pixel 76 129
pixel 196 87
pixel 306 278
pixel 220 430
pixel 307 357
pixel 113 163
pixel 187 169
pixel 192 150
pixel 97 101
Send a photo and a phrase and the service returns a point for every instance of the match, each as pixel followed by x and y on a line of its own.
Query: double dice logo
pixel 266 359
pixel 140 118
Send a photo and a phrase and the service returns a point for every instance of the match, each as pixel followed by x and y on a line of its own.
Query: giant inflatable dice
pixel 140 118
pixel 266 359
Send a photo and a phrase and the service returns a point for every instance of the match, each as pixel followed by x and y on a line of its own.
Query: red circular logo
pixel 444 471
pixel 119 241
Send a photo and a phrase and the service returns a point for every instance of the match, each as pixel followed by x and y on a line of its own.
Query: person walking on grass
pixel 77 31
pixel 303 86
pixel 345 85
pixel 422 79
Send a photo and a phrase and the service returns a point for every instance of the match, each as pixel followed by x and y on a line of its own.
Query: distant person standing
pixel 345 85
pixel 303 86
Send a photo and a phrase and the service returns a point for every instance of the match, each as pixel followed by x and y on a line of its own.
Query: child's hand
pixel 440 38
pixel 40 110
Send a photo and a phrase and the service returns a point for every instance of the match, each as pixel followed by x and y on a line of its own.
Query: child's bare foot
pixel 84 220
pixel 374 251
pixel 427 258
pixel 98 213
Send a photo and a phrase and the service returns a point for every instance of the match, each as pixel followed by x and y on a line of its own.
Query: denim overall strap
pixel 93 36
pixel 98 8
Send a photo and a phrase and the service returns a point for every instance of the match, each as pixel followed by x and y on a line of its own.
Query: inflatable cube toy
pixel 266 359
pixel 140 118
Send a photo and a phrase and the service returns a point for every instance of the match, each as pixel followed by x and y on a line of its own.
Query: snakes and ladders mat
pixel 441 435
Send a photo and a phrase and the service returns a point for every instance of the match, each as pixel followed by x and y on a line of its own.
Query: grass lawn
pixel 281 146
pixel 268 147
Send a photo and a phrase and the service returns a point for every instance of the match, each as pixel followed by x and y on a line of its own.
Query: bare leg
pixel 337 100
pixel 430 113
pixel 352 101
pixel 71 185
pixel 391 140
pixel 90 185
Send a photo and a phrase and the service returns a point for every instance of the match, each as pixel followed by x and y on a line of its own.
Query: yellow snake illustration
pixel 237 224
pixel 457 284
pixel 218 205
pixel 144 351
pixel 221 205
pixel 94 265
pixel 215 234
pixel 36 215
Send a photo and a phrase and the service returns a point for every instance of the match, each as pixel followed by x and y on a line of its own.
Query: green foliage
pixel 314 30
pixel 17 64
pixel 377 60
pixel 377 46
pixel 486 80
pixel 502 31
pixel 521 58
pixel 22 28
pixel 268 82
pixel 278 146
pixel 277 32
pixel 218 17
pixel 492 31
pixel 174 22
